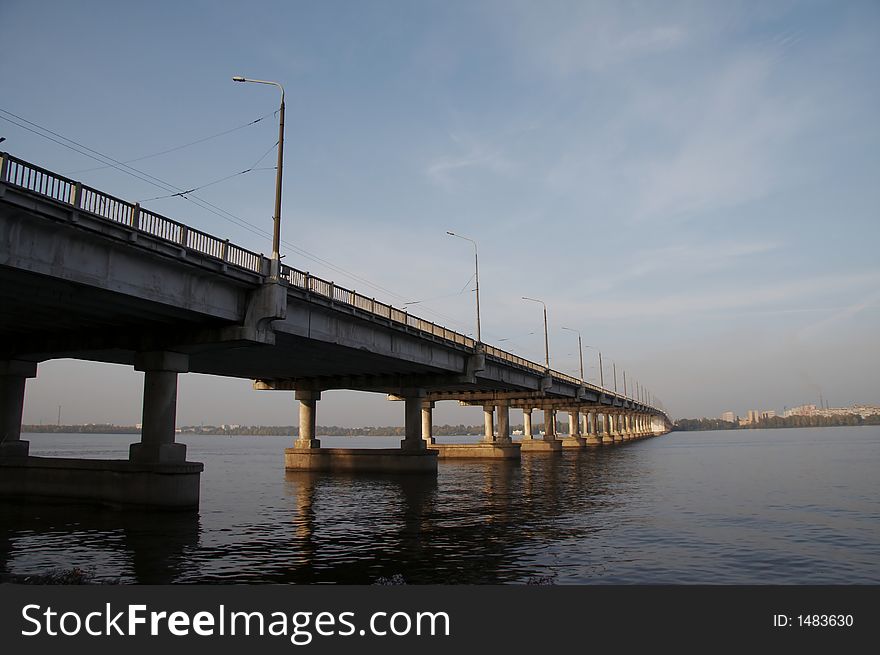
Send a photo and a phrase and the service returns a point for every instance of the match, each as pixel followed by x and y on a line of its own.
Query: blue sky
pixel 693 186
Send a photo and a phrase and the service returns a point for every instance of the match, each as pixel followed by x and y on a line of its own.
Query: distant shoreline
pixel 258 430
pixel 702 424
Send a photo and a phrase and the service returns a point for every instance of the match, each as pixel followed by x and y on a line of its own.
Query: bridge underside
pixel 107 281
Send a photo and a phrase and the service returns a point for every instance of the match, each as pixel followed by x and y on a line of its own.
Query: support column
pixel 308 406
pixel 549 424
pixel 488 423
pixel 608 437
pixel 427 422
pixel 591 437
pixel 503 423
pixel 160 408
pixel 618 428
pixel 527 424
pixel 574 424
pixel 574 438
pixel 412 439
pixel 13 376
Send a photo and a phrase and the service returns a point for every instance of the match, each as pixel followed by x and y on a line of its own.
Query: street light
pixel 476 276
pixel 601 372
pixel 275 269
pixel 580 349
pixel 546 340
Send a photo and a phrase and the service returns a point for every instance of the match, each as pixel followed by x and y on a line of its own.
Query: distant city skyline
pixel 692 187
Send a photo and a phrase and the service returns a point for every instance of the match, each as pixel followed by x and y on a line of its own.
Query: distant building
pixel 770 413
pixel 753 416
pixel 803 410
pixel 730 417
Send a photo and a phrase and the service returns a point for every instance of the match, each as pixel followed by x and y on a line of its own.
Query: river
pixel 785 506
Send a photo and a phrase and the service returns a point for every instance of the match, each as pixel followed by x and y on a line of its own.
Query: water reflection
pixel 146 547
pixel 680 509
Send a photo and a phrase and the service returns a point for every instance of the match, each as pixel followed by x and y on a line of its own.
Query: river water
pixel 787 506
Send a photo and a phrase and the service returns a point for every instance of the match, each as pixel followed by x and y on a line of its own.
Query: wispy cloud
pixel 718 301
pixel 472 156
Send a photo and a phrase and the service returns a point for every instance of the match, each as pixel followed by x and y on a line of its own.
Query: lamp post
pixel 546 340
pixel 601 372
pixel 580 349
pixel 476 277
pixel 275 269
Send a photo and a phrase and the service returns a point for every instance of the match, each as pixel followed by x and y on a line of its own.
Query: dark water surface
pixel 791 506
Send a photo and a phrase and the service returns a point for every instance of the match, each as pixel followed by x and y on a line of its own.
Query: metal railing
pixel 27 176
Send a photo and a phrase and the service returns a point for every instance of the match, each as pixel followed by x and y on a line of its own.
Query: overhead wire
pixel 196 200
pixel 180 147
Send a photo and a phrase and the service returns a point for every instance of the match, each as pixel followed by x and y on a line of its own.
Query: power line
pixel 180 147
pixel 198 201
pixel 206 185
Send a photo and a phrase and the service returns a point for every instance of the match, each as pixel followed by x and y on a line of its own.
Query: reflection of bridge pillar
pixel 427 422
pixel 308 406
pixel 13 376
pixel 160 408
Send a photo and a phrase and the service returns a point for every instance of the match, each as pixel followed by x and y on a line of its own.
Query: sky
pixel 694 187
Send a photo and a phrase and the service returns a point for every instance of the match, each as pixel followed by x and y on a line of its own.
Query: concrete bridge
pixel 86 275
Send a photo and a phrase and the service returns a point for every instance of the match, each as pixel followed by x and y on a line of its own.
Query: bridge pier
pixel 574 438
pixel 607 437
pixel 13 377
pixel 548 443
pixel 428 422
pixel 490 447
pixel 413 456
pixel 160 408
pixel 156 475
pixel 590 429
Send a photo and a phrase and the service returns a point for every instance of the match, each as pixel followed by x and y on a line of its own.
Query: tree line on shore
pixel 695 424
pixel 272 430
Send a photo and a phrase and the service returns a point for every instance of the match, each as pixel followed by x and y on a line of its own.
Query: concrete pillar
pixel 574 423
pixel 308 406
pixel 488 423
pixel 13 375
pixel 503 423
pixel 413 400
pixel 427 422
pixel 549 424
pixel 527 424
pixel 160 408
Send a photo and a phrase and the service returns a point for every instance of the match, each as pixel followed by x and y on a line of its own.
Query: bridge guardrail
pixel 84 198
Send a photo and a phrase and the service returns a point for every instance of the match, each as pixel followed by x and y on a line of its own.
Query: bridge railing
pixel 84 198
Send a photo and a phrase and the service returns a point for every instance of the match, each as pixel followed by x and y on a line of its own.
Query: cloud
pixel 568 39
pixel 718 302
pixel 473 156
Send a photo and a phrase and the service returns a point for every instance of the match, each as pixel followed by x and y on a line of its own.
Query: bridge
pixel 89 276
